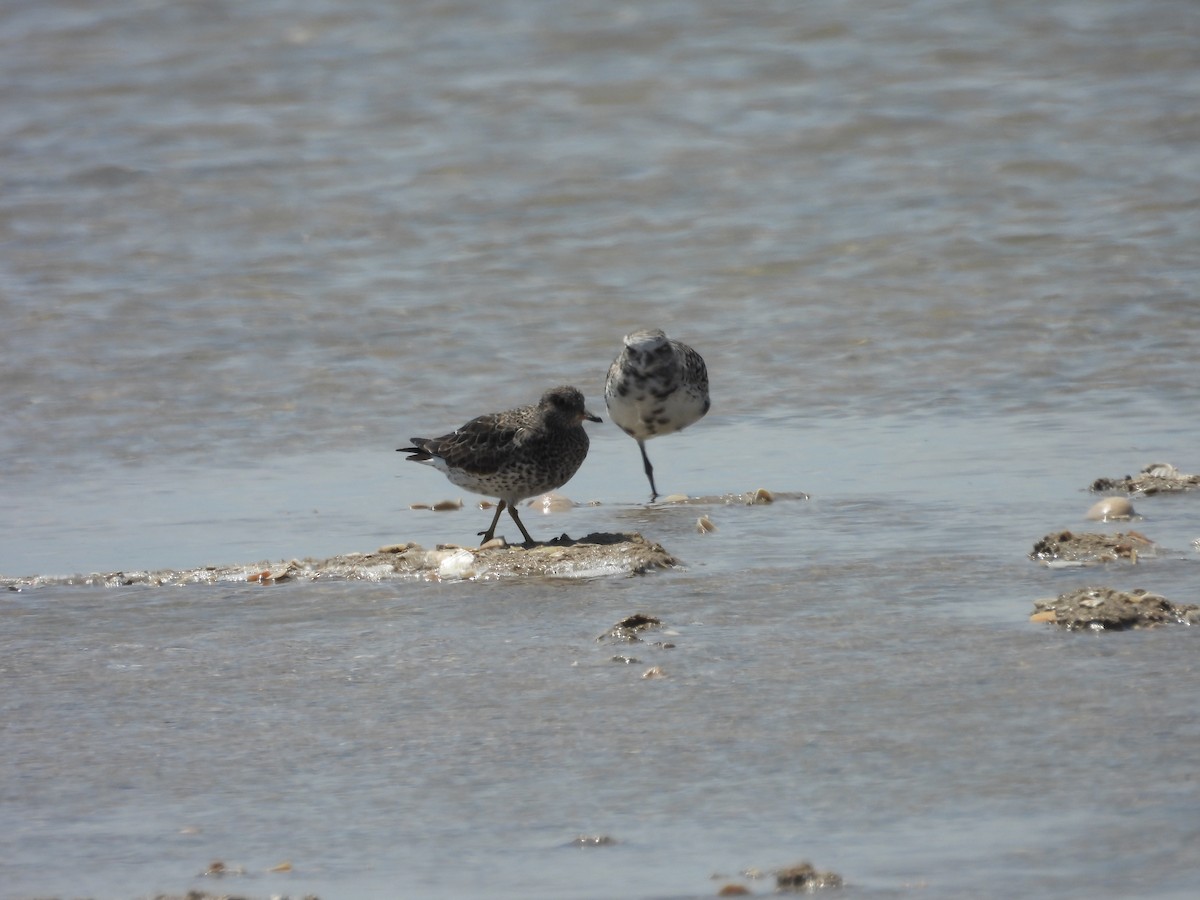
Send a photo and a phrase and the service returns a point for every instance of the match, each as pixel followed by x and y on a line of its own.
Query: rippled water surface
pixel 941 260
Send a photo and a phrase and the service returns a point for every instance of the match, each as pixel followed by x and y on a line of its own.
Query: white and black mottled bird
pixel 656 386
pixel 514 454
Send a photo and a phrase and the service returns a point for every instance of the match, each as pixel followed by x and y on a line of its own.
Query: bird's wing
pixel 479 447
pixel 693 363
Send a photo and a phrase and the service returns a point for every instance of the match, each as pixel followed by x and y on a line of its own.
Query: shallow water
pixel 940 258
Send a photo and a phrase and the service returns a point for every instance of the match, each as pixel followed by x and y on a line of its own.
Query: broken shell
pixel 1161 470
pixel 458 564
pixel 552 502
pixel 396 548
pixel 1111 508
pixel 704 525
pixel 443 505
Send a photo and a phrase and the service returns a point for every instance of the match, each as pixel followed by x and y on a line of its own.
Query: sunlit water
pixel 940 258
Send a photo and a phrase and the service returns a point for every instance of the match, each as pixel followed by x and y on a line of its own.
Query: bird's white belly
pixel 642 415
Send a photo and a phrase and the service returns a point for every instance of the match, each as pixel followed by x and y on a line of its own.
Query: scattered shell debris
pixel 555 502
pixel 1108 609
pixel 758 497
pixel 803 878
pixel 1103 608
pixel 547 503
pixel 630 628
pixel 1112 509
pixel 654 672
pixel 218 869
pixel 1155 478
pixel 595 555
pixel 439 506
pixel 1069 548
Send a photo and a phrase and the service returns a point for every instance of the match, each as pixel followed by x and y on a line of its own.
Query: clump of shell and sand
pixel 1100 607
pixel 593 555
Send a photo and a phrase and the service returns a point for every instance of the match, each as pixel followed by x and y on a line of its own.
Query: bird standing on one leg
pixel 513 454
pixel 656 386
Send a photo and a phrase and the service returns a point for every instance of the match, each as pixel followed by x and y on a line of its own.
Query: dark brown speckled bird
pixel 514 454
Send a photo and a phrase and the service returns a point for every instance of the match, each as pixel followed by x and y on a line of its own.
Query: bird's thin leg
pixel 487 535
pixel 512 511
pixel 649 471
